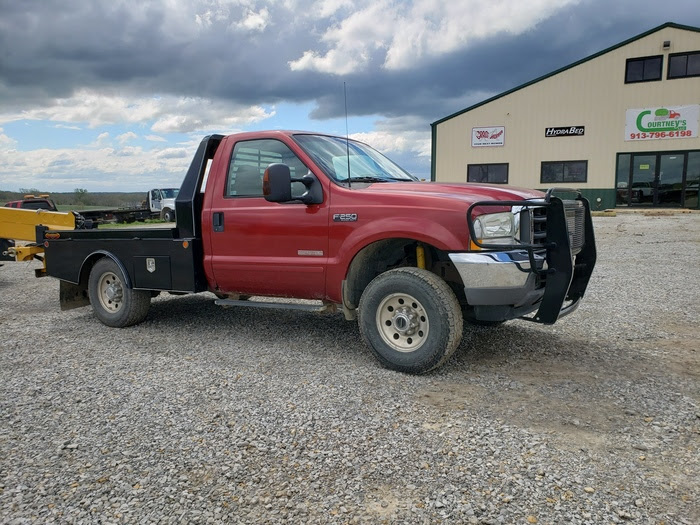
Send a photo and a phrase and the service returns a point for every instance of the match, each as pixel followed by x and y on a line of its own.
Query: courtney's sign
pixel 670 122
pixel 568 131
pixel 493 136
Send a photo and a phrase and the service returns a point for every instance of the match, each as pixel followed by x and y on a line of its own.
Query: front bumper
pixel 549 279
pixel 499 278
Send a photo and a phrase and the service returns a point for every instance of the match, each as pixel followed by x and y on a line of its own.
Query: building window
pixel 566 171
pixel 644 69
pixel 493 173
pixel 681 65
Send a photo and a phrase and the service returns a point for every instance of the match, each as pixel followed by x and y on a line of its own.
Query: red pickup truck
pixel 312 216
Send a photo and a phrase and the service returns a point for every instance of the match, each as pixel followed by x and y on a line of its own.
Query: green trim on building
pixel 433 151
pixel 607 196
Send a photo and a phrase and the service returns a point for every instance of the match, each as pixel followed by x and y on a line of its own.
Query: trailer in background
pixel 159 204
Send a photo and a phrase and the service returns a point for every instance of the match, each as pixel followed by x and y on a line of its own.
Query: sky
pixel 115 95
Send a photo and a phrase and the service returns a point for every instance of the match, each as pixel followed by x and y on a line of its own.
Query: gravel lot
pixel 214 415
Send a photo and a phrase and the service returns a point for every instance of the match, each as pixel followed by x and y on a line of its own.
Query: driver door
pixel 264 248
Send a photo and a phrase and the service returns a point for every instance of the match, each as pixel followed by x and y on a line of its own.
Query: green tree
pixel 81 196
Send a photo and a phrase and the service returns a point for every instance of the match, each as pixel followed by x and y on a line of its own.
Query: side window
pixel 249 161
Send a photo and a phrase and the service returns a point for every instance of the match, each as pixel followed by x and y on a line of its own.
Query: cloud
pixel 128 151
pixel 6 142
pixel 79 62
pixel 167 113
pixel 408 33
pixel 254 20
pixel 126 137
pixel 125 169
pixel 102 139
pixel 398 136
pixel 172 153
pixel 163 67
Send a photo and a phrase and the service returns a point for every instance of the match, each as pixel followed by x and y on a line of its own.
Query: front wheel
pixel 112 301
pixel 167 215
pixel 411 319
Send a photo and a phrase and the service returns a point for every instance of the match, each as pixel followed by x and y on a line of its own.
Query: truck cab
pixel 162 202
pixel 32 202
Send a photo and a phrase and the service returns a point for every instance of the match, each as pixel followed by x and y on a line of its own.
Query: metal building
pixel 620 125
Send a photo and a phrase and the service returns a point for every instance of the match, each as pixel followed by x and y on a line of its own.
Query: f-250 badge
pixel 344 217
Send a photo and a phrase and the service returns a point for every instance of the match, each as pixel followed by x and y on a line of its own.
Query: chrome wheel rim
pixel 110 292
pixel 402 322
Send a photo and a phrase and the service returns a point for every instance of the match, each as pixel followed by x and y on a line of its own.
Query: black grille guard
pixel 566 276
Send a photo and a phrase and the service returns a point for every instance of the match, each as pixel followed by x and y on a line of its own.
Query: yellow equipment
pixel 20 224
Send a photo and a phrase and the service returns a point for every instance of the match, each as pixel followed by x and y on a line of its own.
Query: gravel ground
pixel 205 414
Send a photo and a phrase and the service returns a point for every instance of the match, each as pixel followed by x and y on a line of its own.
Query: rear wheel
pixel 411 319
pixel 112 301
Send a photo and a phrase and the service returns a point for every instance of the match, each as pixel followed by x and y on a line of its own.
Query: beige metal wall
pixel 592 94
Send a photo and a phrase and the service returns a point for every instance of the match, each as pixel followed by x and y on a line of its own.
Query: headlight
pixel 497 228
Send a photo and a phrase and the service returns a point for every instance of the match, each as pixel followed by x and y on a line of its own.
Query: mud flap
pixel 73 296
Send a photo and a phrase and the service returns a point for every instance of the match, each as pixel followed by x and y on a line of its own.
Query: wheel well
pixel 387 254
pixel 90 262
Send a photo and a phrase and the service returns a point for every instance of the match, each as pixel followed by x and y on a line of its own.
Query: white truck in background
pixel 159 204
pixel 162 202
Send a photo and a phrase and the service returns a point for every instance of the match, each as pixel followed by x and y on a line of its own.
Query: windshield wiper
pixel 370 179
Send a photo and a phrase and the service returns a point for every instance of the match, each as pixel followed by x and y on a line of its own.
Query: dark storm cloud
pixel 51 49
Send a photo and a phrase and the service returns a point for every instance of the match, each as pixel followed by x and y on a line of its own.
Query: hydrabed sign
pixel 672 122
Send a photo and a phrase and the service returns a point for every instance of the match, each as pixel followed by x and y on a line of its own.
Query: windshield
pixel 170 193
pixel 365 164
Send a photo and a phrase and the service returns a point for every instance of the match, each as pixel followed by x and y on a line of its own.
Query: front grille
pixel 539 226
pixel 535 220
pixel 575 222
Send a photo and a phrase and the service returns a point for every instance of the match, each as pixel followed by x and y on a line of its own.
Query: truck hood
pixel 466 191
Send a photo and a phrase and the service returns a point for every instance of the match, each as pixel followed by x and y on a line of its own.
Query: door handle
pixel 218 221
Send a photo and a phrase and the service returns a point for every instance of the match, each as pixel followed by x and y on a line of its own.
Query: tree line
pixel 80 197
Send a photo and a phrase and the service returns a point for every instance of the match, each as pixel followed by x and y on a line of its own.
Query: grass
pixel 136 224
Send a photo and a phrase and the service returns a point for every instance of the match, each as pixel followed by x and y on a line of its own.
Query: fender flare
pixel 89 261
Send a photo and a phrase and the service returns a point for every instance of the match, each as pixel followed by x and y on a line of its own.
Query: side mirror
pixel 277 186
pixel 277 183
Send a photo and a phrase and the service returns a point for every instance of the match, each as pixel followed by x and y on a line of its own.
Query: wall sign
pixel 567 131
pixel 492 136
pixel 667 122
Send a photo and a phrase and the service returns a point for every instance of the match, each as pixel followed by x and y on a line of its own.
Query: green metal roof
pixel 591 57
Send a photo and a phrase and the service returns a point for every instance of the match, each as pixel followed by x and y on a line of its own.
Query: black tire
pixel 167 215
pixel 411 319
pixel 113 303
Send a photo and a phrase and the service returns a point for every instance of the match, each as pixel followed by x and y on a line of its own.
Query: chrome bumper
pixel 499 278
